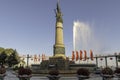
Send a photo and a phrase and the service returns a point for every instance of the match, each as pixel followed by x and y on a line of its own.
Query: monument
pixel 58 60
pixel 59 48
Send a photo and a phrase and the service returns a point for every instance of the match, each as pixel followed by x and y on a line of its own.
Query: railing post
pixel 106 61
pixel 116 61
pixel 96 61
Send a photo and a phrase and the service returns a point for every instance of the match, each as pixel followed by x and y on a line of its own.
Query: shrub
pixel 24 71
pixel 117 71
pixel 107 71
pixel 15 68
pixel 83 71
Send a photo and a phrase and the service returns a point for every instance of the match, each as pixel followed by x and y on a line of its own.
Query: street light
pixel 28 59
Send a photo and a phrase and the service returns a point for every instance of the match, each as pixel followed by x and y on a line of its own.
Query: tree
pixel 9 51
pixel 1 50
pixel 9 56
pixel 13 59
pixel 3 57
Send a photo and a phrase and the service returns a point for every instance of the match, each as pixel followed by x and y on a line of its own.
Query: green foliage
pixel 13 59
pixel 3 57
pixel 9 56
pixel 9 51
pixel 1 50
pixel 15 68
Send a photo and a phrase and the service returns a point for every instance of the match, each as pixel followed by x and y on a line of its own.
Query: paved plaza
pixel 11 76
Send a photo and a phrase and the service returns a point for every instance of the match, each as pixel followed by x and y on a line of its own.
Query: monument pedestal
pixel 58 63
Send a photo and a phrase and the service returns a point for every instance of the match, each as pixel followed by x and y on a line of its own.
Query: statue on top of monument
pixel 58 14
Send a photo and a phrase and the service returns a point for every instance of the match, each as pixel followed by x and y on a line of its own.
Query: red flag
pixel 77 56
pixel 85 55
pixel 80 54
pixel 43 57
pixel 73 56
pixel 91 55
pixel 35 58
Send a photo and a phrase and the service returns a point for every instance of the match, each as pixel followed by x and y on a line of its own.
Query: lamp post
pixel 28 59
pixel 116 60
pixel 96 61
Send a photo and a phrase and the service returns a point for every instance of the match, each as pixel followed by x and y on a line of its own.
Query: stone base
pixel 55 63
pixel 69 70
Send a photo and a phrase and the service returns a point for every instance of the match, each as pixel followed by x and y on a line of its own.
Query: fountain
pixel 82 36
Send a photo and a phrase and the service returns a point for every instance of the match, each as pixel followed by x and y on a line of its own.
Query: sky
pixel 29 25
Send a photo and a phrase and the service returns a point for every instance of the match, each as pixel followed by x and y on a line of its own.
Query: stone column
pixel 59 48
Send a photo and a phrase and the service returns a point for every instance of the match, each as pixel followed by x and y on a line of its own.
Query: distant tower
pixel 59 48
